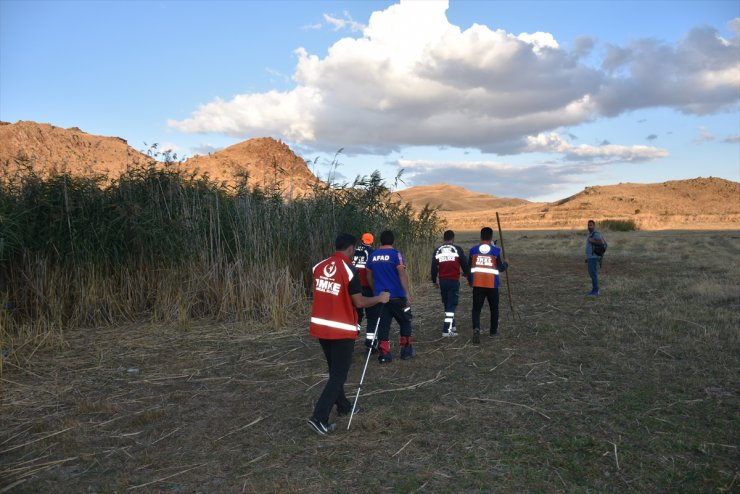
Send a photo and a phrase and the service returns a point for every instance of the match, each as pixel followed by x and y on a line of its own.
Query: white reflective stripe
pixel 448 319
pixel 370 336
pixel 484 270
pixel 450 314
pixel 316 265
pixel 334 324
pixel 349 271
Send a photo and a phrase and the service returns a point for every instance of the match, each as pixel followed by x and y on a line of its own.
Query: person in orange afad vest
pixel 486 265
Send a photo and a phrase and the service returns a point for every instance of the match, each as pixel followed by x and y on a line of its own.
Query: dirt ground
pixel 634 391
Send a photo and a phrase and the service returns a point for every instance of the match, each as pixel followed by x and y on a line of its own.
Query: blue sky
pixel 531 99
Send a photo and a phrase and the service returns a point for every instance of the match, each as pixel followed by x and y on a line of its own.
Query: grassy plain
pixel 634 391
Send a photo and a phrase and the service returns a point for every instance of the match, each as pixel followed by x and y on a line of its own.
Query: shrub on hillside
pixel 618 225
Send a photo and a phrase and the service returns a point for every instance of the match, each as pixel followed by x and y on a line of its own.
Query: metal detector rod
pixel 362 378
pixel 503 251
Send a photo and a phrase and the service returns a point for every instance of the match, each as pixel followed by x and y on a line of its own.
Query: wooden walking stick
pixel 508 283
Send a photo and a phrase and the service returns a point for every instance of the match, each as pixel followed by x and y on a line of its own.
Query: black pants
pixel 372 313
pixel 339 358
pixel 450 291
pixel 479 296
pixel 394 309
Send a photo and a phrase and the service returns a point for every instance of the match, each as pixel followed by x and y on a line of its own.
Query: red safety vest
pixel 333 316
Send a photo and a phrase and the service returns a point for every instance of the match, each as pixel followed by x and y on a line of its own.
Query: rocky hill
pixel 266 161
pixel 46 147
pixel 700 203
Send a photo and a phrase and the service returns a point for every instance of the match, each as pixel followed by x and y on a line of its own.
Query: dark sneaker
pixel 407 352
pixel 384 358
pixel 493 332
pixel 320 427
pixel 476 336
pixel 347 413
pixel 371 347
pixel 449 333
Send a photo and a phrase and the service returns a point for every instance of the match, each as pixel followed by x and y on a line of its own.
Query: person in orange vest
pixel 485 266
pixel 336 293
pixel 359 261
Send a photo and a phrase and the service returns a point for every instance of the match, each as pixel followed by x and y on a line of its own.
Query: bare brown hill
pixel 454 198
pixel 46 147
pixel 700 203
pixel 266 161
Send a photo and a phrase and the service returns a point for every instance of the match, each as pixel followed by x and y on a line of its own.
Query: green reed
pixel 161 244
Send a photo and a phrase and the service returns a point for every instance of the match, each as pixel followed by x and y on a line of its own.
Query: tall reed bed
pixel 159 244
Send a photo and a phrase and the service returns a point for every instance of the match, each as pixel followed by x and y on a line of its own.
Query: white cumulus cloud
pixel 497 178
pixel 607 152
pixel 413 78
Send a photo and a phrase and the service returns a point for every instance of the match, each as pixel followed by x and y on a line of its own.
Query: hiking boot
pixel 320 427
pixel 593 294
pixel 493 332
pixel 346 413
pixel 476 336
pixel 384 358
pixel 449 333
pixel 407 352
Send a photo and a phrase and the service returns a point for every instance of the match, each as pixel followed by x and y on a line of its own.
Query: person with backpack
pixel 447 262
pixel 359 261
pixel 595 249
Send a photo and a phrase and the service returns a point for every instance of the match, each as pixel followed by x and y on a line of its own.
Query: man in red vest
pixel 336 293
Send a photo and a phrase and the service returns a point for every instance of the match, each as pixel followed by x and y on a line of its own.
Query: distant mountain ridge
pixel 700 203
pixel 448 197
pixel 266 161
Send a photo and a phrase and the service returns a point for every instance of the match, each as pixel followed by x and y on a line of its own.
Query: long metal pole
pixel 362 378
pixel 503 251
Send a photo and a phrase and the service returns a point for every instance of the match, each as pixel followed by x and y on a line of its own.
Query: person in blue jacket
pixel 386 271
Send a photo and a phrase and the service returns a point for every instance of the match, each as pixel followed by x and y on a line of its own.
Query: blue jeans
pixel 593 271
pixel 450 291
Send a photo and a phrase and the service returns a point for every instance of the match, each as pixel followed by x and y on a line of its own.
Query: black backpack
pixel 599 250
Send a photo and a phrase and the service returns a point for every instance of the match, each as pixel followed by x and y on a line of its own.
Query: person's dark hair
pixel 591 221
pixel 449 235
pixel 486 233
pixel 344 240
pixel 387 237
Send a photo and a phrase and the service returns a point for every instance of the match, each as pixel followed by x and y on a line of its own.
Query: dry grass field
pixel 634 391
